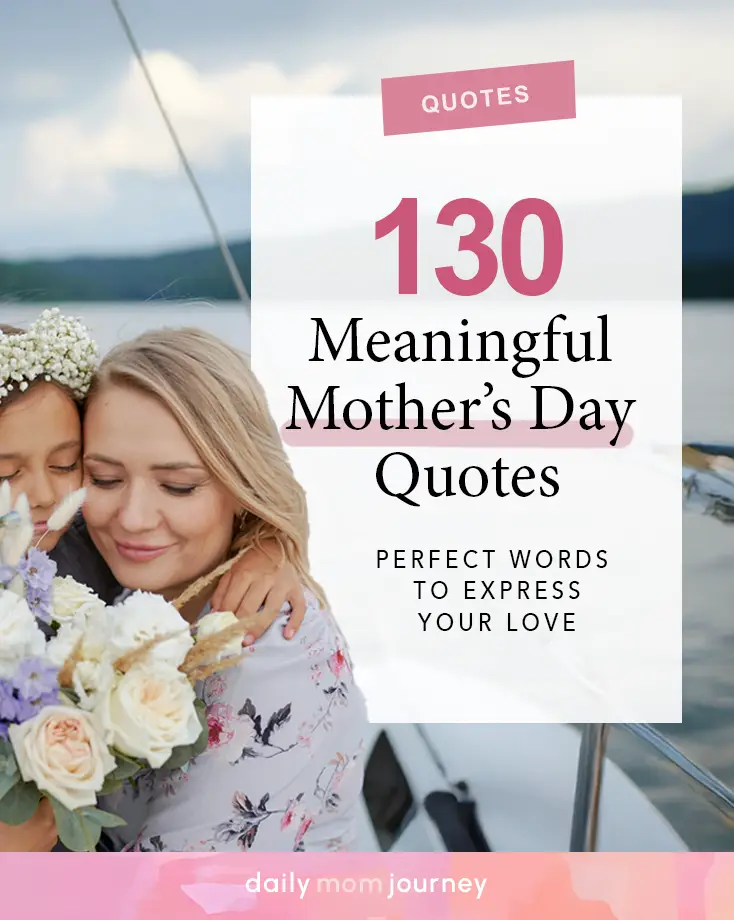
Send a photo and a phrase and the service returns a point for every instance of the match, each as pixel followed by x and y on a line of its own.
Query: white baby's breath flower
pixel 55 347
pixel 212 623
pixel 66 510
pixel 142 617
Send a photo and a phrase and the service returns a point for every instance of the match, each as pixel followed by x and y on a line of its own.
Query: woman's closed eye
pixel 100 483
pixel 172 489
pixel 179 489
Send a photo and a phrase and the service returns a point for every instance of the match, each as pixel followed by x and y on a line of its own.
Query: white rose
pixel 62 752
pixel 213 623
pixel 70 598
pixel 143 617
pixel 148 712
pixel 20 636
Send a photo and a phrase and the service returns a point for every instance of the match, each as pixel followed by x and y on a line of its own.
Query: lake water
pixel 707 732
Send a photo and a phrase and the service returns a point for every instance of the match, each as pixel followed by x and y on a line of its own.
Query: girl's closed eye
pixel 70 468
pixel 9 477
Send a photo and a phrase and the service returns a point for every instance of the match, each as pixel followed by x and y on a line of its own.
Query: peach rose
pixel 62 752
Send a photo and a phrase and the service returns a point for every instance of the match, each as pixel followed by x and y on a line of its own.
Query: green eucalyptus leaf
pixel 19 804
pixel 8 781
pixel 9 773
pixel 80 830
pixel 180 756
pixel 124 770
pixel 104 818
pixel 202 742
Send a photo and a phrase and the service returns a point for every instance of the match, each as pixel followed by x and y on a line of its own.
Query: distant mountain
pixel 708 266
pixel 197 274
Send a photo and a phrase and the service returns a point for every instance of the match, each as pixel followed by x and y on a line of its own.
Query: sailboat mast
pixel 221 242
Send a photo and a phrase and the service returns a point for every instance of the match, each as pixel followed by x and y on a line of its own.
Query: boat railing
pixel 590 778
pixel 708 488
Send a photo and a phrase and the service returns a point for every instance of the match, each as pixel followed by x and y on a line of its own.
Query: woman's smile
pixel 140 552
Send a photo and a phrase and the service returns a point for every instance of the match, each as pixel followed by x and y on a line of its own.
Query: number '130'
pixel 404 219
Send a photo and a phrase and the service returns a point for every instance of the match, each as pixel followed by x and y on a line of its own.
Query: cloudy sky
pixel 86 164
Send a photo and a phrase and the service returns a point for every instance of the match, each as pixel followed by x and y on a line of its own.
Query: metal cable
pixel 221 242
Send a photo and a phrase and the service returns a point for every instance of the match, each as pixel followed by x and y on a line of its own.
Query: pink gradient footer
pixel 405 886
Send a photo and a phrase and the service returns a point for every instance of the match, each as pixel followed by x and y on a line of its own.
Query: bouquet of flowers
pixel 91 695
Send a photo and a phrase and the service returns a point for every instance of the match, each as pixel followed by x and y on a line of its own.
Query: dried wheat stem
pixel 136 655
pixel 66 674
pixel 204 671
pixel 198 586
pixel 211 646
pixel 204 654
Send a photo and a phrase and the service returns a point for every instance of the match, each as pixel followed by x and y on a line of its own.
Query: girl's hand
pixel 35 836
pixel 255 582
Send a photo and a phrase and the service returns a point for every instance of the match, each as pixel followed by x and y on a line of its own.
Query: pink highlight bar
pixel 479 98
pixel 519 434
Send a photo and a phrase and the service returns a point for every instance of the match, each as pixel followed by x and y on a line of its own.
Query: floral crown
pixel 55 348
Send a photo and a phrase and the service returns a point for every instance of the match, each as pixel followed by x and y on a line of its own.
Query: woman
pixel 44 375
pixel 184 468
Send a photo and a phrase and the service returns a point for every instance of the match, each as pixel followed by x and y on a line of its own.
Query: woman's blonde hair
pixel 211 391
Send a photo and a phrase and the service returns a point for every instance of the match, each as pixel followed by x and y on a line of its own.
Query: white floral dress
pixel 284 767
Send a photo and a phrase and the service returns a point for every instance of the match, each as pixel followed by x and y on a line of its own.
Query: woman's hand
pixel 38 835
pixel 257 581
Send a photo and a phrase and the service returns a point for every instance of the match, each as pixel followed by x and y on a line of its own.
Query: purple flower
pixel 8 703
pixel 26 709
pixel 38 573
pixel 40 603
pixel 37 569
pixel 51 698
pixel 7 574
pixel 35 678
pixel 33 686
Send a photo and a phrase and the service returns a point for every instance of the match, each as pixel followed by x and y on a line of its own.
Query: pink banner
pixel 521 433
pixel 479 98
pixel 489 886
